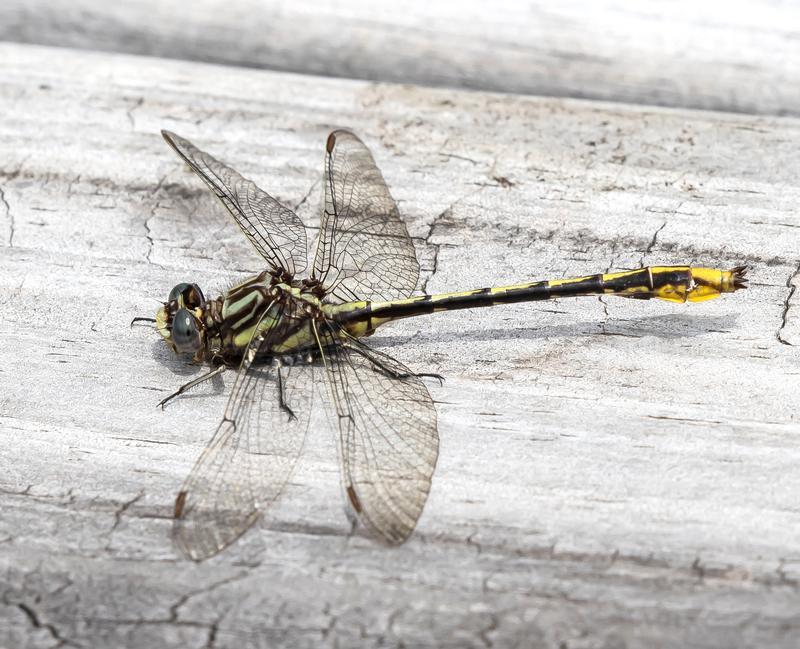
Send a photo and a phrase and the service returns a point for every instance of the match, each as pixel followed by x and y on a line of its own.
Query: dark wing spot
pixel 331 142
pixel 354 501
pixel 180 501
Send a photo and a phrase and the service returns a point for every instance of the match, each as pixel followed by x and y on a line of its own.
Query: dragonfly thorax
pixel 221 329
pixel 264 306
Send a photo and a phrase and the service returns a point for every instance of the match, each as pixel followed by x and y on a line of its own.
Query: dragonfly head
pixel 180 320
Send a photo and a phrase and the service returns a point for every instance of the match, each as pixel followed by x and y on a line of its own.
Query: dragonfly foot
pixel 163 401
pixel 191 384
pixel 282 400
pixel 438 377
pixel 288 410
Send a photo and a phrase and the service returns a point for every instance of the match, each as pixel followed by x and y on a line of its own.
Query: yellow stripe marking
pixel 569 280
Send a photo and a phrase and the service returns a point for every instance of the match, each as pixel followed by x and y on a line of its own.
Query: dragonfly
pixel 300 324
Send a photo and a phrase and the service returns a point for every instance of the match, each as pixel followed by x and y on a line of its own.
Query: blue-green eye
pixel 185 332
pixel 175 293
pixel 189 295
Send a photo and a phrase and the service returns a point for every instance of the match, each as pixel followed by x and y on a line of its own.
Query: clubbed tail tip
pixel 739 277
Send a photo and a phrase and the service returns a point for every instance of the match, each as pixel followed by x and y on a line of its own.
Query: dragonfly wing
pixel 388 438
pixel 363 251
pixel 250 458
pixel 275 231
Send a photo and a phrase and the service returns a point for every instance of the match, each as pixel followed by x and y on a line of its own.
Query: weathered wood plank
pixel 612 473
pixel 741 58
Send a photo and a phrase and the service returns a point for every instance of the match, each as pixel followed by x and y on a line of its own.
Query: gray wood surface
pixel 612 473
pixel 738 57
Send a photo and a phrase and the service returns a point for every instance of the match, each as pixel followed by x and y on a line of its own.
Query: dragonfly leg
pixel 281 397
pixel 431 375
pixel 392 373
pixel 191 384
pixel 142 319
pixel 400 375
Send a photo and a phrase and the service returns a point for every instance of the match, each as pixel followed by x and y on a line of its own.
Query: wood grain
pixel 612 473
pixel 740 57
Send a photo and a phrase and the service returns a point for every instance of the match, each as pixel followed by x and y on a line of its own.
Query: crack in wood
pixel 11 223
pixel 790 284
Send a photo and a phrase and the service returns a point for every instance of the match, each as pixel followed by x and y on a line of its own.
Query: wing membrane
pixel 364 251
pixel 275 231
pixel 388 438
pixel 250 458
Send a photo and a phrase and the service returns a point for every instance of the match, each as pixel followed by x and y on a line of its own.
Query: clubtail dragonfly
pixel 293 327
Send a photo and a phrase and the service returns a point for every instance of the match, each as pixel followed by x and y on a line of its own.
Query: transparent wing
pixel 388 438
pixel 275 231
pixel 363 250
pixel 250 458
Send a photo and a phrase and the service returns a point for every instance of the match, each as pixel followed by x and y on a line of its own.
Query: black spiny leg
pixel 431 375
pixel 391 372
pixel 191 384
pixel 402 375
pixel 281 399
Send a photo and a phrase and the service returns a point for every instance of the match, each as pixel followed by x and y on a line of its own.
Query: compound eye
pixel 185 333
pixel 176 292
pixel 189 295
pixel 193 297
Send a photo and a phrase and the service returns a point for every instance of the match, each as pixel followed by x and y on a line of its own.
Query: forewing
pixel 388 438
pixel 249 460
pixel 364 251
pixel 275 231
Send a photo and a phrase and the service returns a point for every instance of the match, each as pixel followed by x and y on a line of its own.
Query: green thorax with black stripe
pixel 257 306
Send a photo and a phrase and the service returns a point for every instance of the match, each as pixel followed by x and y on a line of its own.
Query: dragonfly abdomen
pixel 671 283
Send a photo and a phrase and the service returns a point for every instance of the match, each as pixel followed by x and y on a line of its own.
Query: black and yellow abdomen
pixel 671 283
